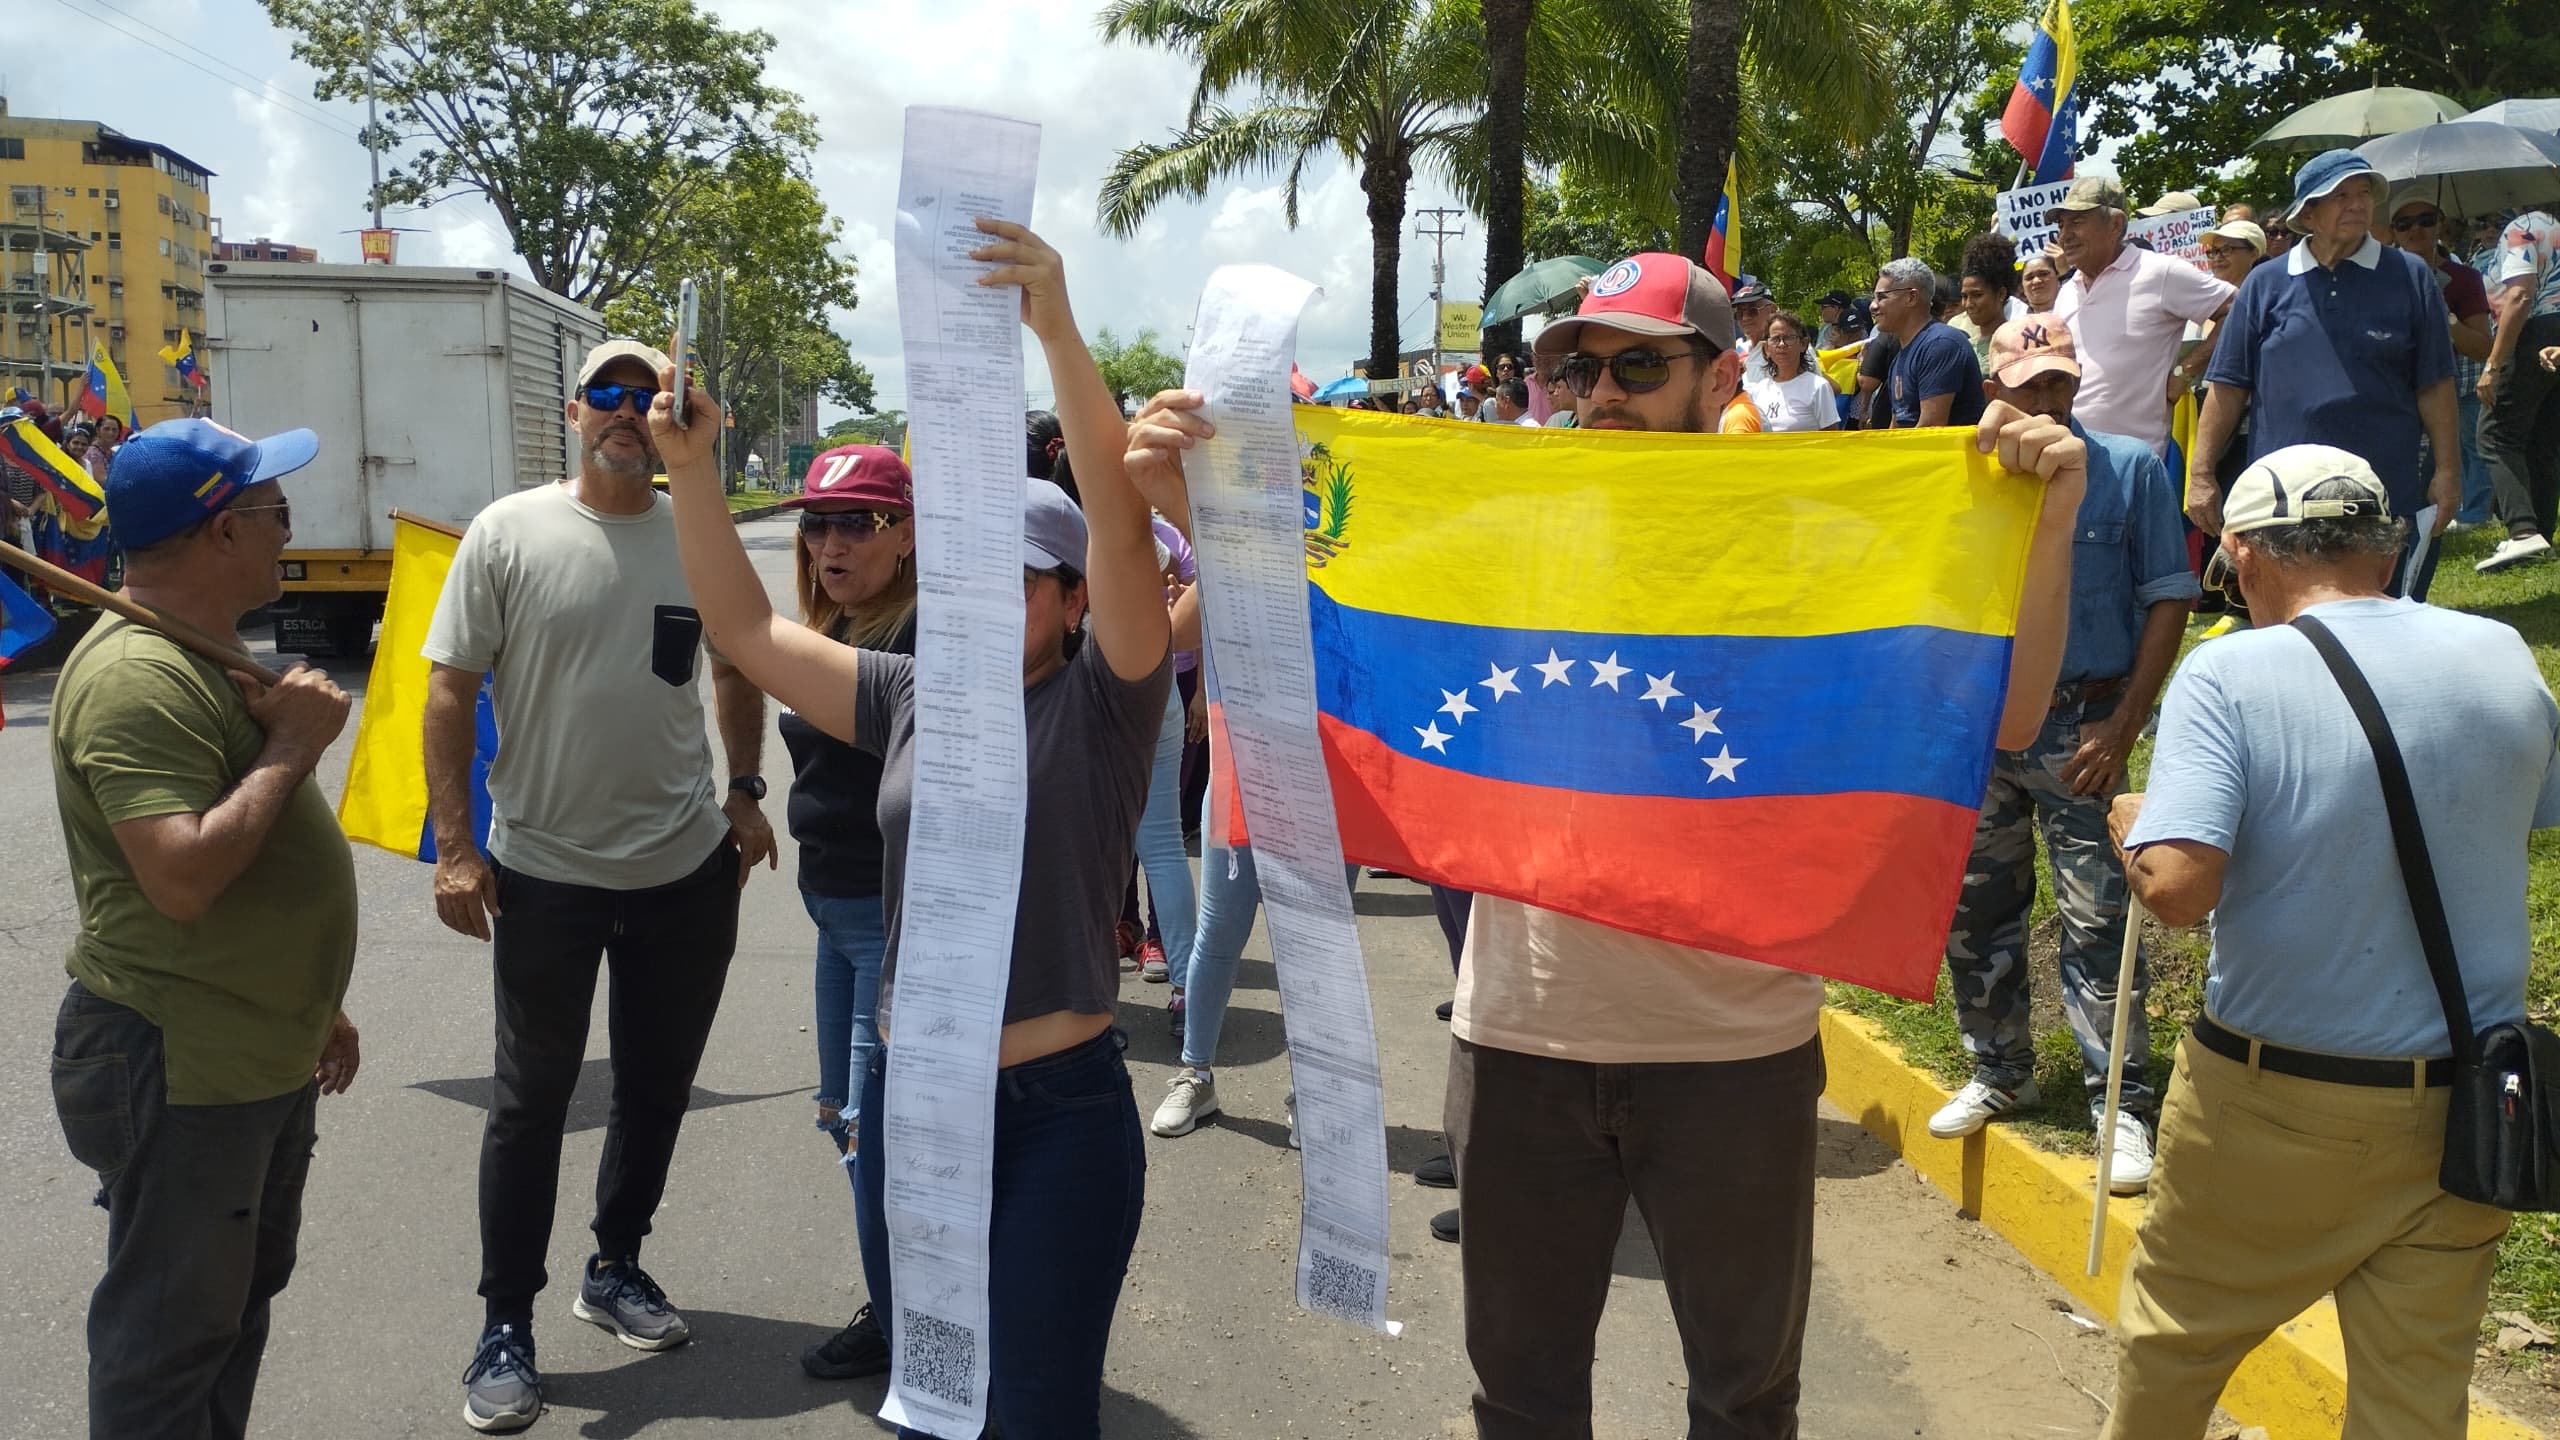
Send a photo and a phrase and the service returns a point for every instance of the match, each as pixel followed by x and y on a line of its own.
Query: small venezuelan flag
pixel 63 478
pixel 105 394
pixel 385 802
pixel 1737 694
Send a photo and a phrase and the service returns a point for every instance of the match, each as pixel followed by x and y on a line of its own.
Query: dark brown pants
pixel 1719 1159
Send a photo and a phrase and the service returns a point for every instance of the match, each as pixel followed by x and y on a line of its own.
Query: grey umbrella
pixel 2470 168
pixel 2356 116
pixel 2522 114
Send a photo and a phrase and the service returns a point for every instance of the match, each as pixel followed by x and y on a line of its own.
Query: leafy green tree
pixel 1831 57
pixel 1395 87
pixel 582 122
pixel 1567 216
pixel 880 427
pixel 762 247
pixel 1135 368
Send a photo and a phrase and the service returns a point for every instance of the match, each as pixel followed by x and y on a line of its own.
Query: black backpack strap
pixel 2418 872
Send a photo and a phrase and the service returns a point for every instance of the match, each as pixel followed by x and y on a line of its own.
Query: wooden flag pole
pixel 229 657
pixel 2134 915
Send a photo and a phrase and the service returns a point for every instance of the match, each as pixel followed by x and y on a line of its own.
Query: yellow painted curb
pixel 2295 1384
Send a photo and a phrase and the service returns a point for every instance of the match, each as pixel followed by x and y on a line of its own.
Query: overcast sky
pixel 289 167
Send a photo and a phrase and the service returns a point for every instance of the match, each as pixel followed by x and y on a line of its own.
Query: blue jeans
pixel 853 939
pixel 2477 492
pixel 1160 848
pixel 1070 1189
pixel 1230 893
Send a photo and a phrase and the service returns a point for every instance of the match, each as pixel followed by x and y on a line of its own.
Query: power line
pixel 308 117
pixel 277 94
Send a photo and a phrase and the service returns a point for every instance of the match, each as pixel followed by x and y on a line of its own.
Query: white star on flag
pixel 1608 671
pixel 2040 84
pixel 1701 722
pixel 1499 682
pixel 1432 738
pixel 1555 670
pixel 1457 709
pixel 1722 764
pixel 1659 691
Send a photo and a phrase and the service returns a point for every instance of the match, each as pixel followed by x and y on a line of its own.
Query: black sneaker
pixel 1445 1009
pixel 502 1392
pixel 619 1296
pixel 859 1349
pixel 1437 1173
pixel 1444 1226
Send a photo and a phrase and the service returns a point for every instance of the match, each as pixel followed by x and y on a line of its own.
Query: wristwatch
pixel 752 784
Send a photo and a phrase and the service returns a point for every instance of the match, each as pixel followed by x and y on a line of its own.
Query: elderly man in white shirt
pixel 2128 310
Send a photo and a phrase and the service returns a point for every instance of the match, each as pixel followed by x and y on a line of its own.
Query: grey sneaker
pixel 620 1297
pixel 502 1391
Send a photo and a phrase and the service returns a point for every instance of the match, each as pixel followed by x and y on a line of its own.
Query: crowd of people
pixel 2295 1145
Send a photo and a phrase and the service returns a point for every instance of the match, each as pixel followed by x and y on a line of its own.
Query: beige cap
pixel 612 350
pixel 2091 192
pixel 2176 202
pixel 2270 491
pixel 2244 231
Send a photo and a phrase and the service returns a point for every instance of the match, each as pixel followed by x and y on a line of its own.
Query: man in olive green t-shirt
pixel 217 931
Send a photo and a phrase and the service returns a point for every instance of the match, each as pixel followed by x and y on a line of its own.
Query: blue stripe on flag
pixel 484 749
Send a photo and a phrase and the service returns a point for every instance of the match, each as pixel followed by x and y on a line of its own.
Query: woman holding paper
pixel 1069 1160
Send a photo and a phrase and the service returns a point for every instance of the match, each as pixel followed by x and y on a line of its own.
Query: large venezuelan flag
pixel 385 802
pixel 65 479
pixel 2042 120
pixel 1736 693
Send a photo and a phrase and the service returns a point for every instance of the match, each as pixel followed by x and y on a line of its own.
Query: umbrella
pixel 2356 116
pixel 2522 114
pixel 2470 168
pixel 1348 387
pixel 1541 287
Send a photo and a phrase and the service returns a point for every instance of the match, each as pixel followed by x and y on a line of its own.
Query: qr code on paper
pixel 1339 1288
pixel 936 1357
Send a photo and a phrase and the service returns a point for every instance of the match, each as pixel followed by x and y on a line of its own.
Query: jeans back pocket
pixel 675 639
pixel 93 1096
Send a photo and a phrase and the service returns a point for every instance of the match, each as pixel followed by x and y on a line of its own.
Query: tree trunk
pixel 1385 177
pixel 1506 50
pixel 1707 117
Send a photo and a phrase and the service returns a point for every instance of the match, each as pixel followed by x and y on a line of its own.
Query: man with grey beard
pixel 608 841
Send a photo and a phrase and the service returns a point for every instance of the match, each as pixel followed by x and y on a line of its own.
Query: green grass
pixel 2528 1276
pixel 753 499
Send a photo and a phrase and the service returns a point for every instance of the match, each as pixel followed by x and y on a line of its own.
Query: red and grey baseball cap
pixel 1654 294
pixel 867 473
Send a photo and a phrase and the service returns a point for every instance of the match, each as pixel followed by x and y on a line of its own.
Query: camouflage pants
pixel 1987 945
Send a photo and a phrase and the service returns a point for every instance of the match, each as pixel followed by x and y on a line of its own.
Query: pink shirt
pixel 2126 322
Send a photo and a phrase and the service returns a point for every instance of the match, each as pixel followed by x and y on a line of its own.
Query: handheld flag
pixel 2042 122
pixel 1724 242
pixel 181 357
pixel 24 621
pixel 385 802
pixel 63 478
pixel 1571 670
pixel 18 395
pixel 106 393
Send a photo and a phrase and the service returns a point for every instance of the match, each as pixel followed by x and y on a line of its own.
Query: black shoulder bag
pixel 2502 1130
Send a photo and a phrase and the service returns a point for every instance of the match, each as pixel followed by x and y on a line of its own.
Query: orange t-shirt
pixel 1740 418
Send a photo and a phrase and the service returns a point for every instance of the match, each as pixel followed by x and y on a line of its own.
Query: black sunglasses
pixel 860 524
pixel 2418 222
pixel 1636 371
pixel 609 398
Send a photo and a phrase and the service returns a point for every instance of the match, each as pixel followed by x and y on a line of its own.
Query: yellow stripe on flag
pixel 1658 534
pixel 386 796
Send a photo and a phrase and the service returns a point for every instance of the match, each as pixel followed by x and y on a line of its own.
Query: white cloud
pixel 857 68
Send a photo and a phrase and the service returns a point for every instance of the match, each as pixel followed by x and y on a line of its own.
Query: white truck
pixel 433 391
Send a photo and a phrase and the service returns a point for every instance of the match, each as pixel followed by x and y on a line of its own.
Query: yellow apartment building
pixel 140 214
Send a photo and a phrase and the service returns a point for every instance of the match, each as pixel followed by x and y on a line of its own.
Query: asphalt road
pixel 1923 1323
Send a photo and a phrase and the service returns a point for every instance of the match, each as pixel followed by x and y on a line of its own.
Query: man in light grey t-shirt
pixel 608 842
pixel 2304 1129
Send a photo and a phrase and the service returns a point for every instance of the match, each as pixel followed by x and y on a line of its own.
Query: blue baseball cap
pixel 1053 532
pixel 2325 172
pixel 180 471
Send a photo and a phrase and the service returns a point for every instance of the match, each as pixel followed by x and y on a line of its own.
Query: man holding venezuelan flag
pixel 1591 1063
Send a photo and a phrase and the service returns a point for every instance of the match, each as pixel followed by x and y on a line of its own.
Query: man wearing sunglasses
pixel 2418 226
pixel 1706 1068
pixel 608 843
pixel 2348 344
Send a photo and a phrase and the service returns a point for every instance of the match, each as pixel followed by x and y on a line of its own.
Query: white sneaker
pixel 2513 549
pixel 1189 1098
pixel 2131 1172
pixel 1974 1106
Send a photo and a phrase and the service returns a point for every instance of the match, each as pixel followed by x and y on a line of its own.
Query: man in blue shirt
pixel 2344 343
pixel 1935 379
pixel 2304 1129
pixel 2131 590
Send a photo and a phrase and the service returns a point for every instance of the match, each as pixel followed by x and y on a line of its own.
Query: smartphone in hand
pixel 688 320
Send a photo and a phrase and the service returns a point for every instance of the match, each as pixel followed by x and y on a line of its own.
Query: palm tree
pixel 1506 57
pixel 1831 49
pixel 1394 86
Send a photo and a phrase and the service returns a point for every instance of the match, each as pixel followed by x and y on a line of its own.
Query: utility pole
pixel 720 328
pixel 1434 223
pixel 781 450
pixel 372 123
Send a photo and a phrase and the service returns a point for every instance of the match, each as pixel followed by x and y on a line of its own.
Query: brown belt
pixel 2082 692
